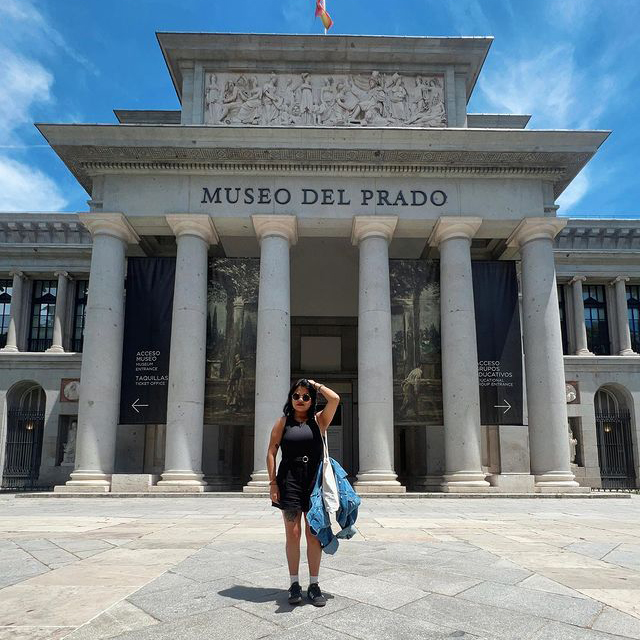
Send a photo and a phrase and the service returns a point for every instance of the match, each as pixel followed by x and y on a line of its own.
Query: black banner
pixel 495 292
pixel 147 340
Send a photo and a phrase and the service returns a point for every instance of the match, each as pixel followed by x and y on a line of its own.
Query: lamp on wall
pixel 608 427
pixel 29 425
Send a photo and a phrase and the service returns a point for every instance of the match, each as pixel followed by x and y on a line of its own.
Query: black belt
pixel 298 459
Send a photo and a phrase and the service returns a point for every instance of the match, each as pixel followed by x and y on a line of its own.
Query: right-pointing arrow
pixel 502 406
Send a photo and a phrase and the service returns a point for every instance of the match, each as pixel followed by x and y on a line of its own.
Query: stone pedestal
pixel 99 403
pixel 544 365
pixel 579 327
pixel 60 313
pixel 372 234
pixel 460 387
pixel 273 350
pixel 16 312
pixel 187 360
pixel 622 316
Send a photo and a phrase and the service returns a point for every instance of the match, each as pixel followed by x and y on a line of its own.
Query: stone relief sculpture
pixel 312 100
pixel 69 447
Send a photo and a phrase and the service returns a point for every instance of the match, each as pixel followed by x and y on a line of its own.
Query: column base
pixel 465 480
pixel 513 482
pixel 584 352
pixel 181 481
pixel 556 479
pixel 86 482
pixel 9 349
pixel 55 348
pixel 378 481
pixel 259 482
pixel 628 352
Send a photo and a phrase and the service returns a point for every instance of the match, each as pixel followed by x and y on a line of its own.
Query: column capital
pixel 622 279
pixel 285 226
pixel 16 272
pixel 535 229
pixel 577 279
pixel 193 224
pixel 109 224
pixel 368 226
pixel 64 274
pixel 448 227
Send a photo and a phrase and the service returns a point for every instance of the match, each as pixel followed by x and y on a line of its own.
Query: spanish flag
pixel 321 12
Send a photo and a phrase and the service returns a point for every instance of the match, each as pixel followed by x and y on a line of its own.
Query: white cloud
pixel 574 192
pixel 25 83
pixel 23 188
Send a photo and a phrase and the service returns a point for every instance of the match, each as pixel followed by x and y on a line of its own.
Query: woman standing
pixel 299 432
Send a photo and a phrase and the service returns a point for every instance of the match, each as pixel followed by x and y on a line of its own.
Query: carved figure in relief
pixel 327 113
pixel 346 102
pixel 232 98
pixel 249 112
pixel 307 107
pixel 272 102
pixel 69 447
pixel 398 98
pixel 212 100
pixel 429 110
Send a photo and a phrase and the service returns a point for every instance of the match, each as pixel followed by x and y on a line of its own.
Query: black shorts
pixel 295 482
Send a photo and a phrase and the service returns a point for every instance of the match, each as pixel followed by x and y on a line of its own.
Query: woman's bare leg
pixel 314 551
pixel 294 532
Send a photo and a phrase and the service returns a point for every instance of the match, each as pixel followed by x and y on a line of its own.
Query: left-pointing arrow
pixel 135 405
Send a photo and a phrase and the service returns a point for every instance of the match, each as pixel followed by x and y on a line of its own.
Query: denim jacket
pixel 318 518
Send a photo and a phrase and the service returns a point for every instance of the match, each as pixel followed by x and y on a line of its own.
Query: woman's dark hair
pixel 302 382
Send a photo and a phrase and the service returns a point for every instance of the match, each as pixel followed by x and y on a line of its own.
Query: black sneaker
pixel 295 593
pixel 315 595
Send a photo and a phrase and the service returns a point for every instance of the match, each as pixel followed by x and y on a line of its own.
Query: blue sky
pixel 569 63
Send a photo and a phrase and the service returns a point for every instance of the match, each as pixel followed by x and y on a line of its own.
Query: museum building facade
pixel 320 207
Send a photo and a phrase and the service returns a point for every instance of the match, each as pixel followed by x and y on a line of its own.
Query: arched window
pixel 606 401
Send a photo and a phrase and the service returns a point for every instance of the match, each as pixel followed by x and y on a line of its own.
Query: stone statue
pixel 249 112
pixel 327 110
pixel 307 107
pixel 272 101
pixel 69 447
pixel 573 445
pixel 398 98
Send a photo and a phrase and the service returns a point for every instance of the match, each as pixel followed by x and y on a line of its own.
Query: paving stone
pixel 616 622
pixel 362 565
pixel 208 565
pixel 433 580
pixel 119 619
pixel 559 631
pixel 197 597
pixel 371 623
pixel 629 558
pixel 168 580
pixel 473 618
pixel 34 633
pixel 540 583
pixel 372 591
pixel 276 608
pixel 578 611
pixel 310 631
pixel 221 624
pixel 595 550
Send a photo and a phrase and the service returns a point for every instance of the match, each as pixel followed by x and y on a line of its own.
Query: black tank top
pixel 301 439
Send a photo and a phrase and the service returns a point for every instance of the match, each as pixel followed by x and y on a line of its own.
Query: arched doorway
pixel 615 447
pixel 25 425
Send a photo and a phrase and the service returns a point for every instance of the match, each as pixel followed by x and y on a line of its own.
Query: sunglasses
pixel 305 397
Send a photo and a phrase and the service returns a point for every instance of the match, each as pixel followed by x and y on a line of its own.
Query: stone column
pixel 275 234
pixel 460 386
pixel 61 312
pixel 580 330
pixel 187 360
pixel 622 314
pixel 16 312
pixel 544 363
pixel 375 366
pixel 99 404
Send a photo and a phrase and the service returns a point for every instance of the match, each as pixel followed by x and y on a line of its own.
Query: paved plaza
pixel 214 567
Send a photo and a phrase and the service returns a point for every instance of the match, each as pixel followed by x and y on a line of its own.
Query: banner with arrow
pixel 147 340
pixel 495 292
